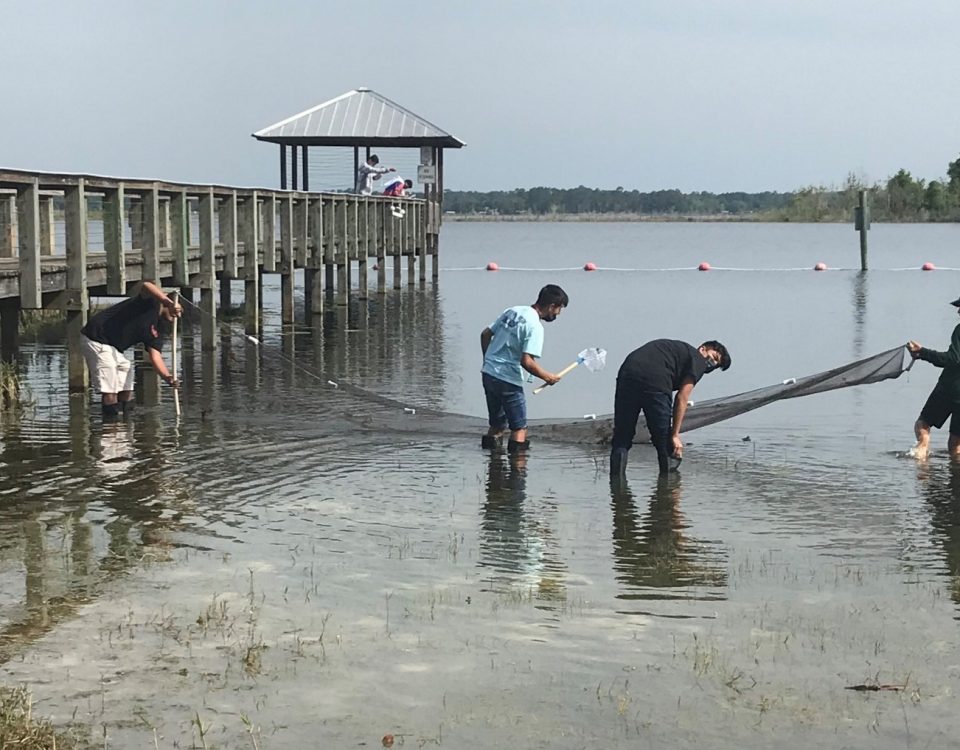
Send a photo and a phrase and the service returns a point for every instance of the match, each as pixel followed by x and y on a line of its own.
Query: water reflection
pixel 859 300
pixel 82 508
pixel 654 557
pixel 941 491
pixel 516 541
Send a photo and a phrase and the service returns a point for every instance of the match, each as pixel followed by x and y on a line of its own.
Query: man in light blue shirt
pixel 511 346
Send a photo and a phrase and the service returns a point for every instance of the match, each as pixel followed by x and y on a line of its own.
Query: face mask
pixel 711 366
pixel 549 318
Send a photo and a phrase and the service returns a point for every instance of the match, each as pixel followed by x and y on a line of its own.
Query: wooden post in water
pixel 48 235
pixel 286 260
pixel 150 201
pixel 114 221
pixel 318 217
pixel 421 245
pixel 862 224
pixel 269 232
pixel 363 248
pixel 207 279
pixel 29 228
pixel 408 224
pixel 178 231
pixel 342 252
pixel 328 240
pixel 227 216
pixel 395 246
pixel 74 298
pixel 382 212
pixel 7 211
pixel 248 231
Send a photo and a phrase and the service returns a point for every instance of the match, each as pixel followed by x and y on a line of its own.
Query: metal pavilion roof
pixel 358 118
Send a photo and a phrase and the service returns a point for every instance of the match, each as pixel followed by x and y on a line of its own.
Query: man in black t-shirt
pixel 646 382
pixel 110 332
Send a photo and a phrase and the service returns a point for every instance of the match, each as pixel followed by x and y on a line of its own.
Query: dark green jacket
pixel 950 362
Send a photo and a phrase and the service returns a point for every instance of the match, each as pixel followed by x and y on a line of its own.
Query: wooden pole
pixel 294 182
pixel 305 180
pixel 863 224
pixel 208 274
pixel 283 166
pixel 75 297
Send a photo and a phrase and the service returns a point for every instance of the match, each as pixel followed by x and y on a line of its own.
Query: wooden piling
pixel 28 231
pixel 862 225
pixel 207 278
pixel 248 231
pixel 383 212
pixel 228 236
pixel 74 300
pixel 329 214
pixel 7 213
pixel 178 228
pixel 317 226
pixel 150 200
pixel 341 247
pixel 363 248
pixel 114 220
pixel 269 233
pixel 286 259
pixel 48 235
pixel 396 247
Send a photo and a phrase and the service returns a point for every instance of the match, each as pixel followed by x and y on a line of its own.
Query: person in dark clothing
pixel 944 400
pixel 110 332
pixel 646 382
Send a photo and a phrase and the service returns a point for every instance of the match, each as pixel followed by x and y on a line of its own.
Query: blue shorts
pixel 506 403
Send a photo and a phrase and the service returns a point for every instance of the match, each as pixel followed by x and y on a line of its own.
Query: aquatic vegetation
pixel 21 729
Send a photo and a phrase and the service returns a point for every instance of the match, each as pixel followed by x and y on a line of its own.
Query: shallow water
pixel 288 559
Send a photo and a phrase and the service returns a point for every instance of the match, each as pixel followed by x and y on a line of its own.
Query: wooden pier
pixel 198 237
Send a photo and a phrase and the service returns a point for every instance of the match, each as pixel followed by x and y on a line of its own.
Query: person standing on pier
pixel 511 345
pixel 646 382
pixel 944 400
pixel 368 172
pixel 110 332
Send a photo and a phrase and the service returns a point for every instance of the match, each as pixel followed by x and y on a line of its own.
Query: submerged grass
pixel 20 729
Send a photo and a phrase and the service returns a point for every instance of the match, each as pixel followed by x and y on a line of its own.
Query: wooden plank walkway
pixel 197 237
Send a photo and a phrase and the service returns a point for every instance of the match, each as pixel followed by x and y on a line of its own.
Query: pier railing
pixel 65 237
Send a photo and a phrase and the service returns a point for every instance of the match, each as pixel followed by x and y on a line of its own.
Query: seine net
pixel 391 415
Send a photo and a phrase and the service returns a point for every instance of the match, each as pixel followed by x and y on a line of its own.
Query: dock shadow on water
pixel 273 570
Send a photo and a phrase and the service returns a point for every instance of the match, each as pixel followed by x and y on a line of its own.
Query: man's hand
pixel 677 447
pixel 914 348
pixel 549 378
pixel 174 308
pixel 171 381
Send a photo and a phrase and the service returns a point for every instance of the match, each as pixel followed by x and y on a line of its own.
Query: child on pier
pixel 108 333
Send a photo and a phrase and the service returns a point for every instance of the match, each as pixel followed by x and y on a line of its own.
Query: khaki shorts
pixel 110 371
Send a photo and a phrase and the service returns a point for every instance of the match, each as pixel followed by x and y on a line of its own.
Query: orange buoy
pixel 491 266
pixel 928 266
pixel 820 267
pixel 703 266
pixel 590 266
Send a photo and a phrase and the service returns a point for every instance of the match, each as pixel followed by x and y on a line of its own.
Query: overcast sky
pixel 646 94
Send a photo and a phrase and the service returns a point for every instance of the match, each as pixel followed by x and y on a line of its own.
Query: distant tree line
pixel 900 198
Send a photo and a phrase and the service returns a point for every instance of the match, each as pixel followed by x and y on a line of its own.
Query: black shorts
pixel 938 407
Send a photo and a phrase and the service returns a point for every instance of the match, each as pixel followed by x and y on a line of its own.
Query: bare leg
pixel 519 436
pixel 124 396
pixel 922 449
pixel 953 445
pixel 109 398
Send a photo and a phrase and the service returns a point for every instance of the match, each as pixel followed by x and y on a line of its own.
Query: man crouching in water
pixel 110 332
pixel 646 382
